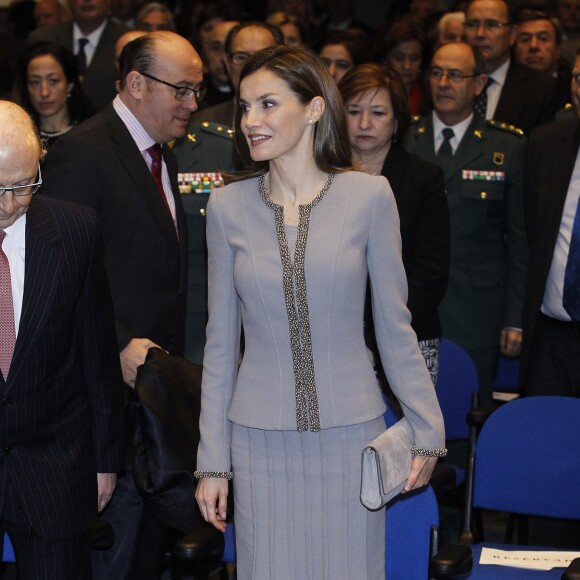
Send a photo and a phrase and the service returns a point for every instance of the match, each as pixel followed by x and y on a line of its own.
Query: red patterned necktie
pixel 156 154
pixel 7 327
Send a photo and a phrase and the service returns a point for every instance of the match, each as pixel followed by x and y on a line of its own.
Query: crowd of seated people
pixel 451 90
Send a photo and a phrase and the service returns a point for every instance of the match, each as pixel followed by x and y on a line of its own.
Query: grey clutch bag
pixel 386 464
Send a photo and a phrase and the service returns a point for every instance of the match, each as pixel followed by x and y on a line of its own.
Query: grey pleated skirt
pixel 298 514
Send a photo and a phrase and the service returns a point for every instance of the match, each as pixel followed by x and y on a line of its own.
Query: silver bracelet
pixel 428 452
pixel 221 474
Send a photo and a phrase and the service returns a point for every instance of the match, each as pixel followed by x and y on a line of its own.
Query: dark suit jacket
pixel 99 81
pixel 528 98
pixel 489 251
pixel 420 194
pixel 61 415
pixel 98 164
pixel 550 161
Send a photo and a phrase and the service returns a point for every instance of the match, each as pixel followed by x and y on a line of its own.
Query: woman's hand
pixel 212 497
pixel 421 470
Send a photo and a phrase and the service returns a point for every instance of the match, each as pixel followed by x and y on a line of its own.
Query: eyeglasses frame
pixel 34 186
pixel 198 93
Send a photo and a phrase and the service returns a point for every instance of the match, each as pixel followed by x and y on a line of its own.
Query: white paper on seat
pixel 530 559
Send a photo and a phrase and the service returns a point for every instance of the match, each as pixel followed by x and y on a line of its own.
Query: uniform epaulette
pixel 218 129
pixel 506 127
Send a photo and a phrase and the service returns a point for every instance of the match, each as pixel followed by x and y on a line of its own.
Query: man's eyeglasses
pixel 182 94
pixel 453 76
pixel 23 190
pixel 487 24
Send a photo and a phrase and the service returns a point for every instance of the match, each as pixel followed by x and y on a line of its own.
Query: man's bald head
pixel 17 131
pixel 20 151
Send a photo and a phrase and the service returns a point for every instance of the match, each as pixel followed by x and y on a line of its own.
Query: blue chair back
pixel 527 458
pixel 8 550
pixel 408 535
pixel 456 383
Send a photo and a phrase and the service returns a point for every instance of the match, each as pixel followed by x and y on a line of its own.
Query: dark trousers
pixel 36 558
pixel 486 362
pixel 554 367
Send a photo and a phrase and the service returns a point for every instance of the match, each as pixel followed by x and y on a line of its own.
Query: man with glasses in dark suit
pixel 514 93
pixel 118 163
pixel 60 382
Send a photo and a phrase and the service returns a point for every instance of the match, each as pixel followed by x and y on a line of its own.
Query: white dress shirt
pixel 458 130
pixel 143 142
pixel 553 295
pixel 494 90
pixel 93 40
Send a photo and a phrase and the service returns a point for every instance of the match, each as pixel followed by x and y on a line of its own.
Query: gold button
pixel 202 211
pixel 483 195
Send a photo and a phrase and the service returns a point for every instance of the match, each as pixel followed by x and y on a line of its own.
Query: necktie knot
pixel 156 152
pixel 445 149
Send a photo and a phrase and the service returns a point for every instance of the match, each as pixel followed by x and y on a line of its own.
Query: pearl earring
pixel 311 121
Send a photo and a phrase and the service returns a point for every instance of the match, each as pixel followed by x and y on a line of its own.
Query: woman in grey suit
pixel 291 244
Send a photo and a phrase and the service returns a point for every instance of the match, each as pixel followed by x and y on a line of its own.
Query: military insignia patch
pixel 498 158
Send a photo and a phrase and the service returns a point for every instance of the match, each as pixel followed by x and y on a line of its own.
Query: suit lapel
pixel 509 92
pixel 132 159
pixel 42 265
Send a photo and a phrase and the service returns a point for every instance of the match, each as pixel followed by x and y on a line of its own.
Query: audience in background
pixel 217 79
pixel 482 164
pixel 539 45
pixel 450 27
pixel 51 92
pixel 288 27
pixel 377 111
pixel 402 47
pixel 514 93
pixel 242 41
pixel 49 12
pixel 91 36
pixel 340 50
pixel 154 16
pixel 205 15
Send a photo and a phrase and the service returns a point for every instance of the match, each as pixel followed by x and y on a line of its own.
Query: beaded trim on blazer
pixel 293 277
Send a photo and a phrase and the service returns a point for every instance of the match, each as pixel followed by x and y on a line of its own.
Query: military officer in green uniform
pixel 203 154
pixel 482 162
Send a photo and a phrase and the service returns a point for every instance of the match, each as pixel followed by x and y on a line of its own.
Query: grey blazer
pixel 353 232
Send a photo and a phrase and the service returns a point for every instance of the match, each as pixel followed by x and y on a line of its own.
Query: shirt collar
pixel 93 37
pixel 138 132
pixel 17 231
pixel 458 130
pixel 500 73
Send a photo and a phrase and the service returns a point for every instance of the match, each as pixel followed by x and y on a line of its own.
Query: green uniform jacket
pixel 489 248
pixel 205 148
